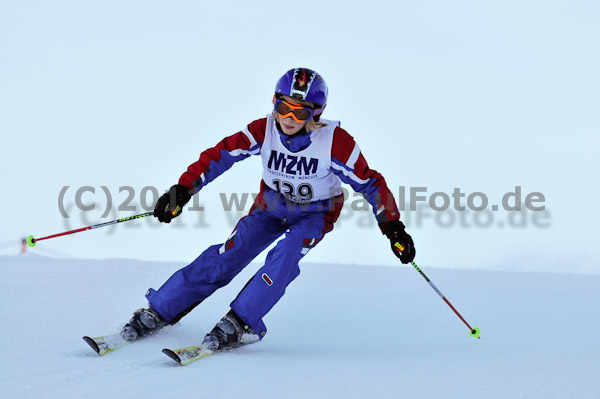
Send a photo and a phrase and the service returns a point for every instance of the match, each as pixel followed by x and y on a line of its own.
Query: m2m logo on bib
pixel 292 164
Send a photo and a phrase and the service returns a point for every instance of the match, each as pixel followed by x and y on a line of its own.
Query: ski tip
pixel 92 344
pixel 172 355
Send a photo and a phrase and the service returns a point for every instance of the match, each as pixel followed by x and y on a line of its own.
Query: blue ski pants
pixel 303 226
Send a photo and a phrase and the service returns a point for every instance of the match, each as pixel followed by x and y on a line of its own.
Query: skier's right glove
pixel 170 204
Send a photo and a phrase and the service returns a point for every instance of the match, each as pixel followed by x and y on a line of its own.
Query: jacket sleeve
pixel 348 163
pixel 216 160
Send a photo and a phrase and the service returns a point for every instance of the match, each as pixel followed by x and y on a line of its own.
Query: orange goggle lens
pixel 299 113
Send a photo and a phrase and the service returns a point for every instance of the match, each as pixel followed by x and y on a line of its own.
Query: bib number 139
pixel 303 192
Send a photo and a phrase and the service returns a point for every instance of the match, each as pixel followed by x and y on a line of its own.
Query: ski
pixel 105 344
pixel 185 356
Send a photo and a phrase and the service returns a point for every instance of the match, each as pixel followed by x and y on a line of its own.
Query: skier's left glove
pixel 394 230
pixel 170 204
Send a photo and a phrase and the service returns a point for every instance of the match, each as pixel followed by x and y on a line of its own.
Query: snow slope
pixel 341 331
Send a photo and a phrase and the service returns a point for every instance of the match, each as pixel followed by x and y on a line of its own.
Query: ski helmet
pixel 305 84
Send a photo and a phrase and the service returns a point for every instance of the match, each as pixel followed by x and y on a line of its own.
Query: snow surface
pixel 341 331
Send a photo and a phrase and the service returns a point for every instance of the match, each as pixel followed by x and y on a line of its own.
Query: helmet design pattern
pixel 305 84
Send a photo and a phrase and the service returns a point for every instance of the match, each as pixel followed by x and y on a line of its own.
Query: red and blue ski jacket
pixel 347 162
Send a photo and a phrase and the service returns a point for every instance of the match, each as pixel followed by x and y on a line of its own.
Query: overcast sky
pixel 474 95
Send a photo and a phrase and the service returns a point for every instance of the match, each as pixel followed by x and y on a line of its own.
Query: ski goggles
pixel 297 112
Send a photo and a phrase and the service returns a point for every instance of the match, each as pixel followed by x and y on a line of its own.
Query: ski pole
pixel 474 332
pixel 32 241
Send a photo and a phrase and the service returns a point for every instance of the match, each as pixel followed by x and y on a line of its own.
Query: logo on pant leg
pixel 228 244
pixel 308 244
pixel 267 279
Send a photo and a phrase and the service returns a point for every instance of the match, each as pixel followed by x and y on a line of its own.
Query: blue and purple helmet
pixel 305 84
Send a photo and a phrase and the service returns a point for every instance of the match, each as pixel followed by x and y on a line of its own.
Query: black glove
pixel 402 243
pixel 170 204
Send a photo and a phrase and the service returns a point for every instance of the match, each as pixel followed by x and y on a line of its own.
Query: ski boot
pixel 230 331
pixel 143 323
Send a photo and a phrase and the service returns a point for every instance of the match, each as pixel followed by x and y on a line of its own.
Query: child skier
pixel 305 160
